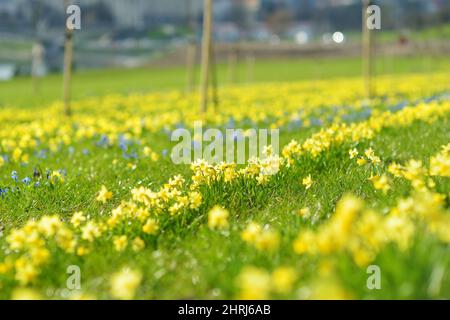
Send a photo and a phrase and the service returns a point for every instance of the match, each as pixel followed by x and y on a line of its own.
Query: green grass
pixel 192 261
pixel 189 260
pixel 20 92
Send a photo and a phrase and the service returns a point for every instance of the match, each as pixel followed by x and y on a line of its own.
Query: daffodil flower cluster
pixel 130 122
pixel 363 232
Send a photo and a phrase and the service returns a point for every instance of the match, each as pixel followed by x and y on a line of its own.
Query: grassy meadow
pixel 357 183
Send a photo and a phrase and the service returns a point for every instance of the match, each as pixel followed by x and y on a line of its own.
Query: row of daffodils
pixel 338 119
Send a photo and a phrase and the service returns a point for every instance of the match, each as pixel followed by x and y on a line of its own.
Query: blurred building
pixel 126 14
pixel 244 14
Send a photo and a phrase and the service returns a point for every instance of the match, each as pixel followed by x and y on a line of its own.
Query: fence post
pixel 68 57
pixel 206 54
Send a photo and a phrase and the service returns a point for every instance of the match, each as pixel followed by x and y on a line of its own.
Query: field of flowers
pixel 361 185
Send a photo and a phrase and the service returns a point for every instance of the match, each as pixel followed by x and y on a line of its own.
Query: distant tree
pixel 279 21
pixel 268 8
pixel 98 14
pixel 238 14
pixel 304 9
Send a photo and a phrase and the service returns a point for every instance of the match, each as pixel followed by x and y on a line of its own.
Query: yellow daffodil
pixel 218 218
pixel 104 195
pixel 124 283
pixel 307 182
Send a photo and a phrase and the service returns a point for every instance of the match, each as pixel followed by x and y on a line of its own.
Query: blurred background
pixel 140 34
pixel 137 32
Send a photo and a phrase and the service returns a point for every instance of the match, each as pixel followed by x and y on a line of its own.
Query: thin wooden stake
pixel 232 63
pixel 367 51
pixel 190 61
pixel 37 50
pixel 250 67
pixel 68 57
pixel 37 61
pixel 191 50
pixel 215 90
pixel 206 54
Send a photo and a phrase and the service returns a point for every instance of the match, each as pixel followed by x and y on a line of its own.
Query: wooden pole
pixel 191 49
pixel 36 19
pixel 367 52
pixel 250 67
pixel 206 54
pixel 68 57
pixel 214 82
pixel 232 63
pixel 190 61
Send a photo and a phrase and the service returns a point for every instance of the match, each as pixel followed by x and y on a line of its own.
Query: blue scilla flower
pixel 164 153
pixel 103 142
pixel 3 192
pixel 295 124
pixel 36 173
pixel 398 106
pixel 14 176
pixel 429 99
pixel 123 143
pixel 42 154
pixel 366 113
pixel 231 123
pixel 315 121
pixel 85 152
pixel 26 180
pixel 131 155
